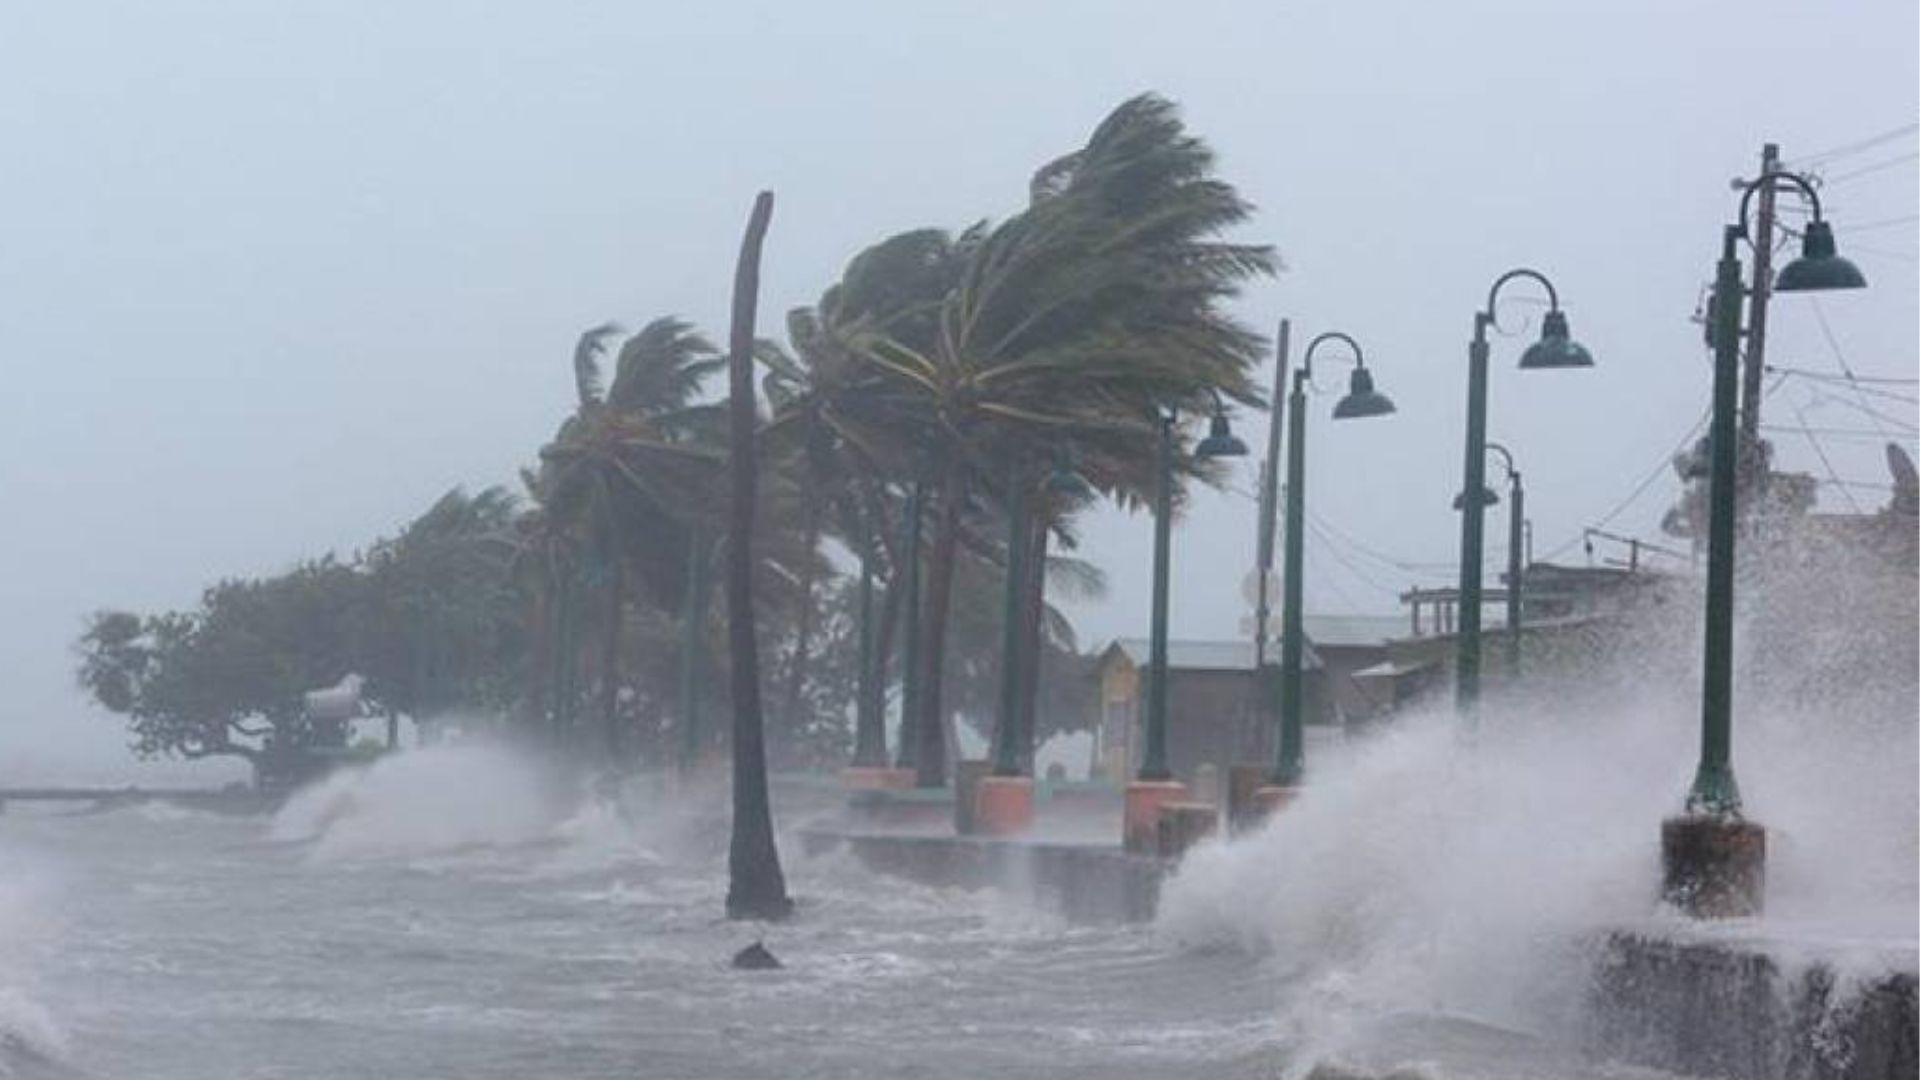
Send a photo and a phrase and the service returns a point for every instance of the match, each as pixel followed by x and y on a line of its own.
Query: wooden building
pixel 1212 694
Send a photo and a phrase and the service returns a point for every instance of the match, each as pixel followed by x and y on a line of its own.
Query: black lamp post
pixel 1362 400
pixel 1714 860
pixel 1220 442
pixel 1555 349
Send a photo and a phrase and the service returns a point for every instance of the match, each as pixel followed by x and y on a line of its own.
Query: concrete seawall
pixel 1728 1009
pixel 1709 1008
pixel 1080 882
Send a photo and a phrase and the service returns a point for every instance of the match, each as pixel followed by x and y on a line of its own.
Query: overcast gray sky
pixel 274 275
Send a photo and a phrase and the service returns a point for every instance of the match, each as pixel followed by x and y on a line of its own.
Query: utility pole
pixel 1756 356
pixel 1269 504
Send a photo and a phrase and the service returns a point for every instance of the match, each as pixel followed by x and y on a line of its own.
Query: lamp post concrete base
pixel 1714 868
pixel 1270 799
pixel 1184 824
pixel 1002 805
pixel 1242 781
pixel 875 778
pixel 1140 827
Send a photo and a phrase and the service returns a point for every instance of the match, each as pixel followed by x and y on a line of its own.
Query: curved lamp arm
pixel 1793 180
pixel 1493 294
pixel 1506 458
pixel 1306 365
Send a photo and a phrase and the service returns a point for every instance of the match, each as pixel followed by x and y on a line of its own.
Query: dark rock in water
pixel 755 957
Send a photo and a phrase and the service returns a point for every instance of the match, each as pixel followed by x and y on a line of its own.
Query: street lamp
pixel 1714 860
pixel 1153 781
pixel 1516 524
pixel 1555 349
pixel 1361 401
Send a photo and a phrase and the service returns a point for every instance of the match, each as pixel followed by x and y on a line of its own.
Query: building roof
pixel 1355 631
pixel 1204 655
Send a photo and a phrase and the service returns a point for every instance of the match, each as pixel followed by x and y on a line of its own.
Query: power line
pixel 1855 147
pixel 1841 433
pixel 1865 170
pixel 1821 452
pixel 1827 376
pixel 1880 224
pixel 1839 356
pixel 1820 399
pixel 1639 489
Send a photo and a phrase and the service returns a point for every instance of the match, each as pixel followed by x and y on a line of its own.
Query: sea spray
pixel 436 799
pixel 1465 870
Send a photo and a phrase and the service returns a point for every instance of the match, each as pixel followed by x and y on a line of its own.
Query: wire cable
pixel 1660 466
pixel 1866 170
pixel 1821 453
pixel 1848 149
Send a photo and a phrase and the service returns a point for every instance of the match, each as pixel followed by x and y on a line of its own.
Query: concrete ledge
pixel 1083 883
pixel 1717 1009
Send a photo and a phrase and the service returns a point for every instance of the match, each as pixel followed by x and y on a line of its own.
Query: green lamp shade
pixel 1819 267
pixel 1487 498
pixel 1362 399
pixel 1556 347
pixel 1220 440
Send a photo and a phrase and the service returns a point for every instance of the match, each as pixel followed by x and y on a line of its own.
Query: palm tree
pixel 623 475
pixel 1070 324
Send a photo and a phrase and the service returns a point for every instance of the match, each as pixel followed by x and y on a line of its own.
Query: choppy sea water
pixel 445 916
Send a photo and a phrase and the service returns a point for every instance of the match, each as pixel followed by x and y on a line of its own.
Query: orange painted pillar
pixel 871 778
pixel 1002 805
pixel 1140 827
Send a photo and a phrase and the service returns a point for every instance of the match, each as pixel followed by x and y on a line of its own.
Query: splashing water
pixel 433 800
pixel 1429 871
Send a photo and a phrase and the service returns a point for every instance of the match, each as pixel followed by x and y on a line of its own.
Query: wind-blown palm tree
pixel 1071 324
pixel 624 472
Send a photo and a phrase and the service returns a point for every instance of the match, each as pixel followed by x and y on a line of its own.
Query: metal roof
pixel 1206 655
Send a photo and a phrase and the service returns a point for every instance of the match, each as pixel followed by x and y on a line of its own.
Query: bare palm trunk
pixel 930 744
pixel 756 888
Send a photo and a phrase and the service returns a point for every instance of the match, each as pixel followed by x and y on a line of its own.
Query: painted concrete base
pixel 1002 805
pixel 1242 781
pixel 1140 820
pixel 1271 799
pixel 1714 868
pixel 1184 824
pixel 875 778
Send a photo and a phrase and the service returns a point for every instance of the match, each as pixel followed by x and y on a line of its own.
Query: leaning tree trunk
pixel 610 665
pixel 756 889
pixel 930 744
pixel 1032 609
pixel 539 663
pixel 890 605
